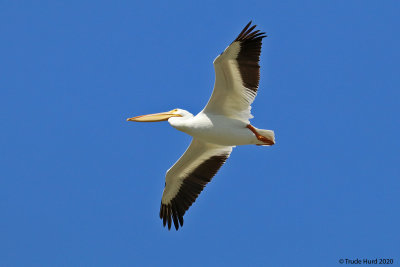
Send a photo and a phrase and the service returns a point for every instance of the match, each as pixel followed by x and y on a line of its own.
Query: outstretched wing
pixel 237 74
pixel 188 177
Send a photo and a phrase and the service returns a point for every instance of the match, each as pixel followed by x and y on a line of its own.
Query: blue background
pixel 80 186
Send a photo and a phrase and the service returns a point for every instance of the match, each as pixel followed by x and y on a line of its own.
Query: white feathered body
pixel 218 129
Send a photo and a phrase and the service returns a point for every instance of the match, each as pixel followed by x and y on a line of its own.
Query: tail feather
pixel 268 134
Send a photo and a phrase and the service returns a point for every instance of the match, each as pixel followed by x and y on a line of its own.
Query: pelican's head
pixel 163 116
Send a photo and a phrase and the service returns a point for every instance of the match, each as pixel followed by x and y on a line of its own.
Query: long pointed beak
pixel 163 116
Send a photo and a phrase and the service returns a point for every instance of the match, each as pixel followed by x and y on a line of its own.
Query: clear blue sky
pixel 80 186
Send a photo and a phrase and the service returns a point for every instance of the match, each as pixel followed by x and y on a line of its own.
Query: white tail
pixel 268 134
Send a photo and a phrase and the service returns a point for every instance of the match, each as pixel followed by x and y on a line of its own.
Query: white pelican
pixel 220 126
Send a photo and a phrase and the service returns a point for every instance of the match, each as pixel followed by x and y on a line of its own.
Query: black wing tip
pixel 248 33
pixel 170 214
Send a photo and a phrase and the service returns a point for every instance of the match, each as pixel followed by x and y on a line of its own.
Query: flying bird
pixel 220 126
